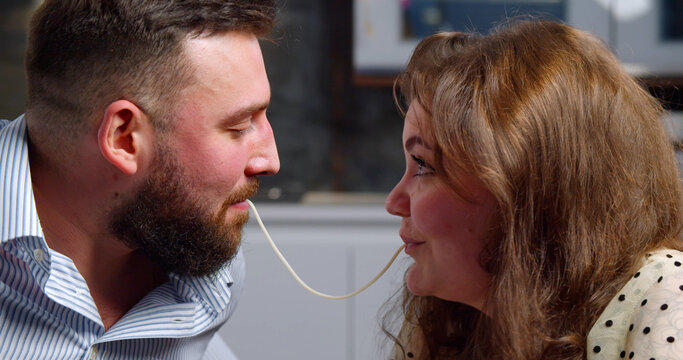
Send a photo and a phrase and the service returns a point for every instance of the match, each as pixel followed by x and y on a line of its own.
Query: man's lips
pixel 240 205
pixel 411 244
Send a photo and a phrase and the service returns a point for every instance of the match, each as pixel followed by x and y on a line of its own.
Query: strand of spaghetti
pixel 301 282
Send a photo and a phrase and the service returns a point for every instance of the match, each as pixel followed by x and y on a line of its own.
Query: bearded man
pixel 123 186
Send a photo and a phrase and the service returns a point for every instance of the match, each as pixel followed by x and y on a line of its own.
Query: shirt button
pixel 39 255
pixel 93 354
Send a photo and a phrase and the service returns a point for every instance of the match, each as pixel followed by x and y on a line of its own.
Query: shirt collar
pixel 212 290
pixel 18 215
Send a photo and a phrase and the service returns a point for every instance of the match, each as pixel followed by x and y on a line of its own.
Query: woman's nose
pixel 398 201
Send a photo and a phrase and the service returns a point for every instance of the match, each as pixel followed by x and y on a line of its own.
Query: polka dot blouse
pixel 645 319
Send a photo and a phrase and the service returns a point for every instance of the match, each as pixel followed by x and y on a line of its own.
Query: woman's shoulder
pixel 410 343
pixel 645 318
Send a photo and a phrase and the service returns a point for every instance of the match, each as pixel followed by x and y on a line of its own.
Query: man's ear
pixel 125 136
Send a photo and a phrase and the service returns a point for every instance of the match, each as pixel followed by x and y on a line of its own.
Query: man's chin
pixel 177 231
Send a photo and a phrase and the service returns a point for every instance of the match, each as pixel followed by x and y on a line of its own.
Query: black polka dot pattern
pixel 643 311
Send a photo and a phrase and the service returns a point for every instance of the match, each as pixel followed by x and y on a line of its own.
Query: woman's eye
pixel 422 167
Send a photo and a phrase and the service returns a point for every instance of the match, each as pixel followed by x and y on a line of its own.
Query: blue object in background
pixel 425 17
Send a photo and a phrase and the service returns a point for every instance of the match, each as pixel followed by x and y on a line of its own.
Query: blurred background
pixel 331 66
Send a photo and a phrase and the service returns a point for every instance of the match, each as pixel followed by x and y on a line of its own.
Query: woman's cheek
pixel 434 214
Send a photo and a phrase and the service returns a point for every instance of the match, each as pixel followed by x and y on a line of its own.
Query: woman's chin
pixel 414 281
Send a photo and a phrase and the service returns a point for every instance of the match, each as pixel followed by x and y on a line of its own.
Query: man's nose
pixel 265 160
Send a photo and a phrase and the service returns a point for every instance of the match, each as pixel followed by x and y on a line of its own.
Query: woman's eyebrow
pixel 415 140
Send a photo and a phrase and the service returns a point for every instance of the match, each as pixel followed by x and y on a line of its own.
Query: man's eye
pixel 422 167
pixel 239 132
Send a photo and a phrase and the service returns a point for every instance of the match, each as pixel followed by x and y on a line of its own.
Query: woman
pixel 541 203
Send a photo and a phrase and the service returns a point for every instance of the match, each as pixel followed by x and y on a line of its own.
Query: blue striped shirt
pixel 47 312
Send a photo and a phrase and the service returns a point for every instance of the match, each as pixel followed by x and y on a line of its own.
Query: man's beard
pixel 173 228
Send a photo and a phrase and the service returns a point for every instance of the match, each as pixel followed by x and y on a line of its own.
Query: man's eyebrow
pixel 244 112
pixel 415 140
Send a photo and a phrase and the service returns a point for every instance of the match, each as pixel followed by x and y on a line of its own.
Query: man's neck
pixel 119 285
pixel 74 224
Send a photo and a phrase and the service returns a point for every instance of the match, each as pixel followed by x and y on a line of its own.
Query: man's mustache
pixel 241 194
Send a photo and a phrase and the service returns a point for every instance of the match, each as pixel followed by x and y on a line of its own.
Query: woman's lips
pixel 411 244
pixel 410 247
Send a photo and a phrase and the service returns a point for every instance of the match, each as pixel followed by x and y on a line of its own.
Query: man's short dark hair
pixel 84 54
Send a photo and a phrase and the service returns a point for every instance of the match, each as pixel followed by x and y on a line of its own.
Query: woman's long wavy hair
pixel 586 181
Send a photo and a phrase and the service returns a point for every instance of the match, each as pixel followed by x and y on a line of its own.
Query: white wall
pixel 335 249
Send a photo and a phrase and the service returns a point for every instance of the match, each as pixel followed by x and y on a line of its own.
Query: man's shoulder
pixel 6 125
pixel 11 135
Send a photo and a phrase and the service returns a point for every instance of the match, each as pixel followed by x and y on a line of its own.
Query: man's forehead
pixel 221 44
pixel 229 79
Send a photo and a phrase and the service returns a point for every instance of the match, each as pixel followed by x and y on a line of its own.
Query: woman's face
pixel 443 233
